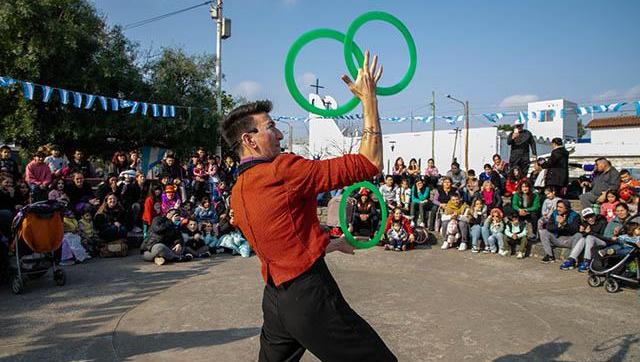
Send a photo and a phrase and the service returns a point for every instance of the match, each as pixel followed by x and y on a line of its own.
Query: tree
pixel 581 130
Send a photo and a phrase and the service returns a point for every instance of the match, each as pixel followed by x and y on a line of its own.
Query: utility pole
pixel 219 21
pixel 411 115
pixel 455 144
pixel 466 136
pixel 433 125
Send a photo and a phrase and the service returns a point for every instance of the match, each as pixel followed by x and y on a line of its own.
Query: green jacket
pixel 516 203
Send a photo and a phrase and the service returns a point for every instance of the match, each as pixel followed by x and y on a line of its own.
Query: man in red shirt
pixel 274 201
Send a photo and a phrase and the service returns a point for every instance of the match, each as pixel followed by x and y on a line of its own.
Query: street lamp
pixel 223 31
pixel 290 135
pixel 465 104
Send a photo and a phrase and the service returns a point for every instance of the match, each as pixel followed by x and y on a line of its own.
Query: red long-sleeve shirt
pixel 274 206
pixel 37 173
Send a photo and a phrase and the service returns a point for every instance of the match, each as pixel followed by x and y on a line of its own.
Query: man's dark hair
pixel 471 173
pixel 557 141
pixel 624 171
pixel 5 147
pixel 240 120
pixel 455 164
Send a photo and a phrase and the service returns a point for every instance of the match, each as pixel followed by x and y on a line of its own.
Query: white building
pixel 554 118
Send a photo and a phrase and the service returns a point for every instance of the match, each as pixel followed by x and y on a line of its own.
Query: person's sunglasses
pixel 237 143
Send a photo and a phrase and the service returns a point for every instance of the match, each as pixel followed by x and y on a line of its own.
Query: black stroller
pixel 38 231
pixel 611 271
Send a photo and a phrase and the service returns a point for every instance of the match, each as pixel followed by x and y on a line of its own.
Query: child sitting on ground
pixel 608 208
pixel 453 235
pixel 548 206
pixel 396 237
pixel 231 238
pixel 515 231
pixel 493 228
pixel 194 241
pixel 72 249
pixel 208 231
pixel 205 212
pixel 89 237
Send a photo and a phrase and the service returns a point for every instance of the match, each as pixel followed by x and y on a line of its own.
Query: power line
pixel 164 16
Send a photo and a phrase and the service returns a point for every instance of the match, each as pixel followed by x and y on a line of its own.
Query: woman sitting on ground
pixel 515 178
pixel 490 196
pixel 420 203
pixel 363 215
pixel 476 216
pixel 397 216
pixel 413 171
pixel 164 242
pixel 441 197
pixel 526 202
pixel 110 220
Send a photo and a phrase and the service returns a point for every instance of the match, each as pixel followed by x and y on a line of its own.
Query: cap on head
pixel 586 212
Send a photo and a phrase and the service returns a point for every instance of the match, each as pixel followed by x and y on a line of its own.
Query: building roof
pixel 615 122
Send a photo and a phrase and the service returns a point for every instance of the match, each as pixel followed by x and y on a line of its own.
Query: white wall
pixel 565 127
pixel 618 135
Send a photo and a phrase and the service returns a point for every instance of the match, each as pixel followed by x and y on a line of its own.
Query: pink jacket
pixel 37 173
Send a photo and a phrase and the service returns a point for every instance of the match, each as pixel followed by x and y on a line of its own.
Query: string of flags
pixel 87 101
pixel 521 116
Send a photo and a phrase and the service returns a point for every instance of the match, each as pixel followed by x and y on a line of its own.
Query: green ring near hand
pixel 303 40
pixel 343 218
pixel 348 49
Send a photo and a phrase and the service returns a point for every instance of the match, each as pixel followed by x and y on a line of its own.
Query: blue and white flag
pixel 46 93
pixel 172 111
pixel 584 110
pixel 395 119
pixel 64 96
pixel 155 110
pixel 6 81
pixel 615 107
pixel 493 117
pixel 77 99
pixel 90 100
pixel 523 117
pixel 144 109
pixel 165 110
pixel 452 119
pixel 115 104
pixel 103 102
pixel 638 108
pixel 126 103
pixel 134 107
pixel 27 90
pixel 600 108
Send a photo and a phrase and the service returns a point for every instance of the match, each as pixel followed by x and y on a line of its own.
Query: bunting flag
pixel 638 108
pixel 124 103
pixel 615 107
pixel 103 103
pixel 134 108
pixel 90 100
pixel 77 99
pixel 64 96
pixel 172 111
pixel 6 81
pixel 155 110
pixel 165 110
pixel 493 117
pixel 523 117
pixel 115 104
pixel 144 109
pixel 584 110
pixel 46 93
pixel 27 90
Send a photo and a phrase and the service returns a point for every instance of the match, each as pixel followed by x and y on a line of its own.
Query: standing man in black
pixel 520 141
pixel 557 166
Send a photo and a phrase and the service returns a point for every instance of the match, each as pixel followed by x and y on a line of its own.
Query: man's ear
pixel 248 141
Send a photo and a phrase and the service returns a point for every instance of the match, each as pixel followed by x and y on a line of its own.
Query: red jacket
pixel 151 210
pixel 406 225
pixel 274 206
pixel 37 173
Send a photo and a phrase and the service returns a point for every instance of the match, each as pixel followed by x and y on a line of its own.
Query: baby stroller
pixel 612 271
pixel 38 231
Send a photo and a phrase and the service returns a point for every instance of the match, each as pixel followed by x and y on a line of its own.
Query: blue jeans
pixel 476 233
pixel 495 241
pixel 112 233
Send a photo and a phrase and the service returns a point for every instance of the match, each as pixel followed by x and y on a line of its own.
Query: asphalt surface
pixel 426 304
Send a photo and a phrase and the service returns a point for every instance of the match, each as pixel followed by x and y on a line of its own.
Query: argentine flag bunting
pixel 134 107
pixel 77 99
pixel 103 102
pixel 638 108
pixel 115 104
pixel 90 100
pixel 46 93
pixel 144 109
pixel 27 90
pixel 155 110
pixel 6 81
pixel 64 96
pixel 615 107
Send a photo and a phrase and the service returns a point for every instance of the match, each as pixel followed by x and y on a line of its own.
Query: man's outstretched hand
pixel 340 245
pixel 365 85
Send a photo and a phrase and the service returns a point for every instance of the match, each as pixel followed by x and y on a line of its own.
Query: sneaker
pixel 445 245
pixel 504 252
pixel 548 259
pixel 584 266
pixel 606 252
pixel 158 260
pixel 206 254
pixel 486 250
pixel 220 250
pixel 462 247
pixel 397 249
pixel 494 251
pixel 474 249
pixel 520 255
pixel 568 264
pixel 67 262
pixel 413 224
pixel 136 230
pixel 421 224
pixel 387 247
pixel 187 257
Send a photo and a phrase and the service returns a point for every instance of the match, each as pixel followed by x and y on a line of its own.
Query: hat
pixel 363 191
pixel 128 173
pixel 498 210
pixel 518 123
pixel 170 189
pixel 588 212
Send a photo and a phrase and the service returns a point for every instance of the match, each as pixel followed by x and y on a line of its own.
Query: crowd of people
pixel 181 214
pixel 505 208
pixel 184 212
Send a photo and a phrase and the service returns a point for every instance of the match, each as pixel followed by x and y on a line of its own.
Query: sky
pixel 497 54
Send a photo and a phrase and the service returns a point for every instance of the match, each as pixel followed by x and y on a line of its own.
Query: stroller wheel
pixel 595 281
pixel 612 285
pixel 17 285
pixel 59 277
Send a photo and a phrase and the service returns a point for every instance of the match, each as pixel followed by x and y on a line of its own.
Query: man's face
pixel 201 153
pixel 561 208
pixel 170 161
pixel 487 170
pixel 39 159
pixel 5 153
pixel 591 219
pixel 455 169
pixel 267 139
pixel 455 200
pixel 78 180
pixel 625 177
pixel 601 166
pixel 55 153
pixel 140 178
pixel 7 184
pixel 389 181
pixel 78 155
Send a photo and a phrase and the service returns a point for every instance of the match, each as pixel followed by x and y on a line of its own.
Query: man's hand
pixel 522 212
pixel 365 85
pixel 177 248
pixel 412 238
pixel 340 245
pixel 560 219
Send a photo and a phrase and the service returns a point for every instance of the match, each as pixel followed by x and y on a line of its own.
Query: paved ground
pixel 427 305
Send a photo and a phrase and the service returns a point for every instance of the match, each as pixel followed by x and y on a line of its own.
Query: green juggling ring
pixel 291 82
pixel 351 50
pixel 343 218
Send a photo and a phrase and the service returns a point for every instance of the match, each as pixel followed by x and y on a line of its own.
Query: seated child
pixel 72 249
pixel 396 237
pixel 621 248
pixel 231 238
pixel 493 228
pixel 548 206
pixel 208 231
pixel 515 231
pixel 205 212
pixel 193 241
pixel 608 208
pixel 89 236
pixel 452 234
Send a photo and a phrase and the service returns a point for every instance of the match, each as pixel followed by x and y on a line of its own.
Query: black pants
pixel 309 312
